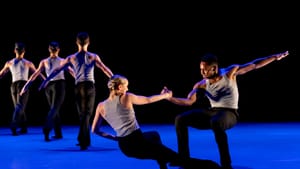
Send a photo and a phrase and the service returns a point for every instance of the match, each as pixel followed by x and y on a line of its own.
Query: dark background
pixel 158 44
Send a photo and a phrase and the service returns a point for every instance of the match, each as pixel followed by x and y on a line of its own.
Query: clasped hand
pixel 166 90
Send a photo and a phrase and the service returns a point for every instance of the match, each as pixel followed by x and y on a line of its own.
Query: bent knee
pixel 221 125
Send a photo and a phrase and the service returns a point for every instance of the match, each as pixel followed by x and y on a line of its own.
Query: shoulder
pixel 230 68
pixel 100 104
pixel 230 71
pixel 127 96
pixel 91 54
pixel 71 57
pixel 59 58
pixel 100 107
pixel 10 61
pixel 44 60
pixel 28 62
pixel 200 84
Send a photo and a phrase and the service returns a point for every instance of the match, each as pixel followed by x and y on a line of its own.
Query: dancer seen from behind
pixel 55 90
pixel 20 69
pixel 82 62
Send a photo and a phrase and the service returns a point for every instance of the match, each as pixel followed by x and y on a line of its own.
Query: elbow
pixel 185 103
pixel 189 104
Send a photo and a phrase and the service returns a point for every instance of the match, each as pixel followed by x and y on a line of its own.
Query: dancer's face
pixel 208 71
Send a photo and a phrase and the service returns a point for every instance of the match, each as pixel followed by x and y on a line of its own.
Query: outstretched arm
pixel 260 62
pixel 140 100
pixel 190 99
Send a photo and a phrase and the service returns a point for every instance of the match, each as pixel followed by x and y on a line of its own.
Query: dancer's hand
pixel 166 90
pixel 280 56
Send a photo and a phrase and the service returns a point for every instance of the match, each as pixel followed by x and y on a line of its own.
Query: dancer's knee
pixel 179 120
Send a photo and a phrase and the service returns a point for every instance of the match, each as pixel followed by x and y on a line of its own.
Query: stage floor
pixel 252 145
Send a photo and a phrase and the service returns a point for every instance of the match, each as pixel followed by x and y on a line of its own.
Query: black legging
pixel 55 93
pixel 148 145
pixel 85 94
pixel 217 119
pixel 19 119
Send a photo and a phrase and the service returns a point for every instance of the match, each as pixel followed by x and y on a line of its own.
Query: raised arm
pixel 260 62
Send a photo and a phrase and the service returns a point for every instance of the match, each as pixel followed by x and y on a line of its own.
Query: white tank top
pixel 53 64
pixel 223 93
pixel 84 68
pixel 121 119
pixel 19 70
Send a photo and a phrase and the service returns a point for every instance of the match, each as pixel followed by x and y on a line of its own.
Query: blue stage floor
pixel 253 146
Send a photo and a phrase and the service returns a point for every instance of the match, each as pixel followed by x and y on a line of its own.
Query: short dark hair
pixel 19 46
pixel 54 46
pixel 82 38
pixel 209 58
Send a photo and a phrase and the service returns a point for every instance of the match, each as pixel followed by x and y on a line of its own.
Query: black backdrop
pixel 160 44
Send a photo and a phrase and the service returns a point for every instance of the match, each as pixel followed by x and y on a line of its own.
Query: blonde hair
pixel 115 81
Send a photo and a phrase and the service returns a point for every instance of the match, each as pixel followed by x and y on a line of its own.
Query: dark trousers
pixel 55 94
pixel 85 94
pixel 217 119
pixel 147 145
pixel 19 119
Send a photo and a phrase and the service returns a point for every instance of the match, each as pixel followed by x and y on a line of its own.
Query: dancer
pixel 83 63
pixel 20 69
pixel 119 112
pixel 220 85
pixel 55 90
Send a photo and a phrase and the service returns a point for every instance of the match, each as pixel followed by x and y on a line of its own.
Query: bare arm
pixel 97 123
pixel 103 67
pixel 33 69
pixel 66 63
pixel 191 97
pixel 33 77
pixel 5 69
pixel 140 100
pixel 260 62
pixel 71 71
